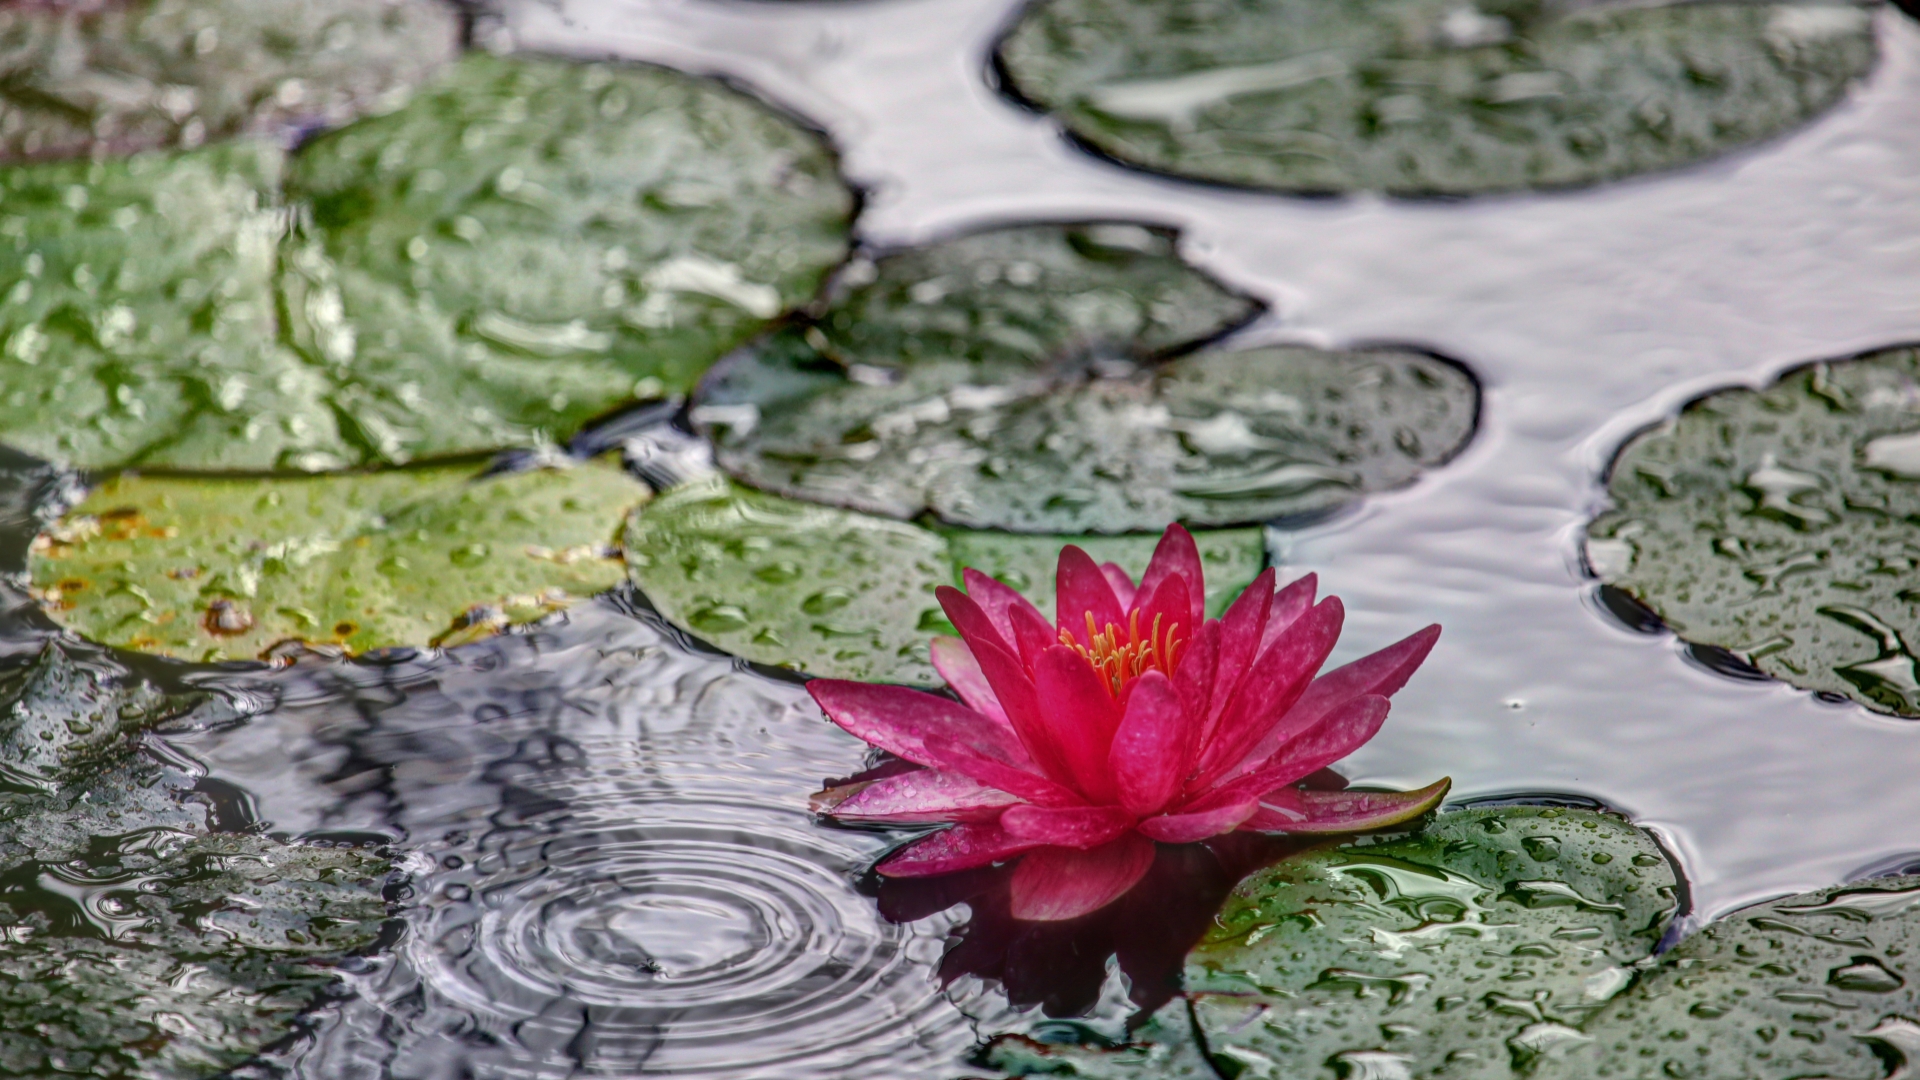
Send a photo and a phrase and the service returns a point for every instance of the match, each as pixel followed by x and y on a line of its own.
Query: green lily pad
pixel 133 941
pixel 1421 97
pixel 530 243
pixel 1007 380
pixel 844 594
pixel 210 568
pixel 1470 948
pixel 1779 525
pixel 112 77
pixel 138 318
pixel 1163 1047
pixel 1818 985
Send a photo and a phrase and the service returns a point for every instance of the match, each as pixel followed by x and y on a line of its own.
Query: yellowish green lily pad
pixel 209 568
pixel 849 595
pixel 105 77
pixel 1471 948
pixel 529 243
pixel 1421 97
pixel 1779 525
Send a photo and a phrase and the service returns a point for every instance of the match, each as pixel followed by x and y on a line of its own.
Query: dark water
pixel 614 869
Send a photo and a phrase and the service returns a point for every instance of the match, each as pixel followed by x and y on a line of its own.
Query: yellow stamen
pixel 1121 656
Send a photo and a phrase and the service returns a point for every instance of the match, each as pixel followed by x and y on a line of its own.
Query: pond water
pixel 613 868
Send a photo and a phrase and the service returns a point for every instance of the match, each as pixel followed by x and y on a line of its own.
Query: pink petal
pixel 1121 583
pixel 1074 827
pixel 1291 602
pixel 1177 556
pixel 1052 884
pixel 925 796
pixel 998 600
pixel 1311 812
pixel 1162 615
pixel 1194 679
pixel 1032 634
pixel 1007 677
pixel 1081 717
pixel 1242 630
pixel 1338 735
pixel 962 847
pixel 972 620
pixel 955 663
pixel 1382 673
pixel 1150 748
pixel 899 720
pixel 950 756
pixel 1081 590
pixel 1276 681
pixel 1193 827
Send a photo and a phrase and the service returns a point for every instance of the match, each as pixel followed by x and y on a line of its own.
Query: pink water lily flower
pixel 1131 718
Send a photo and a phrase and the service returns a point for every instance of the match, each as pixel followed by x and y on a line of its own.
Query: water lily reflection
pixel 1131 718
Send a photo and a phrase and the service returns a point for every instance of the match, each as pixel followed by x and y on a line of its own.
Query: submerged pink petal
pixel 997 600
pixel 1073 827
pixel 1277 680
pixel 1052 884
pixel 962 847
pixel 899 720
pixel 1121 582
pixel 957 666
pixel 1177 556
pixel 1313 812
pixel 1150 749
pixel 1081 589
pixel 1189 828
pixel 923 797
pixel 1081 716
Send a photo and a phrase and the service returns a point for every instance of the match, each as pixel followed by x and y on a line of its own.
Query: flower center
pixel 1120 656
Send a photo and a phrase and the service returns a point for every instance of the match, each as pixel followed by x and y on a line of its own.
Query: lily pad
pixel 843 594
pixel 209 568
pixel 1470 948
pixel 1779 525
pixel 113 76
pixel 1162 1047
pixel 1007 381
pixel 1822 984
pixel 133 941
pixel 1420 97
pixel 530 243
pixel 138 320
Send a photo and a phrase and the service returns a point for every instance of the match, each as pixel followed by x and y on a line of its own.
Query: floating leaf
pixel 531 242
pixel 133 942
pixel 1004 380
pixel 1822 984
pixel 112 77
pixel 844 594
pixel 1163 1047
pixel 138 318
pixel 1779 525
pixel 1429 96
pixel 227 567
pixel 1467 949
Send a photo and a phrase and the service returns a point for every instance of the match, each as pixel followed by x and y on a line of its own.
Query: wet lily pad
pixel 138 318
pixel 134 942
pixel 1470 948
pixel 1008 380
pixel 114 76
pixel 529 243
pixel 1822 984
pixel 1778 524
pixel 208 568
pixel 844 594
pixel 1423 97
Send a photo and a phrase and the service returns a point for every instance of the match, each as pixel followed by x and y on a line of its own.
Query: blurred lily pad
pixel 134 942
pixel 1822 984
pixel 138 325
pixel 1779 525
pixel 529 243
pixel 844 594
pixel 1471 948
pixel 1423 97
pixel 1008 380
pixel 94 77
pixel 207 568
